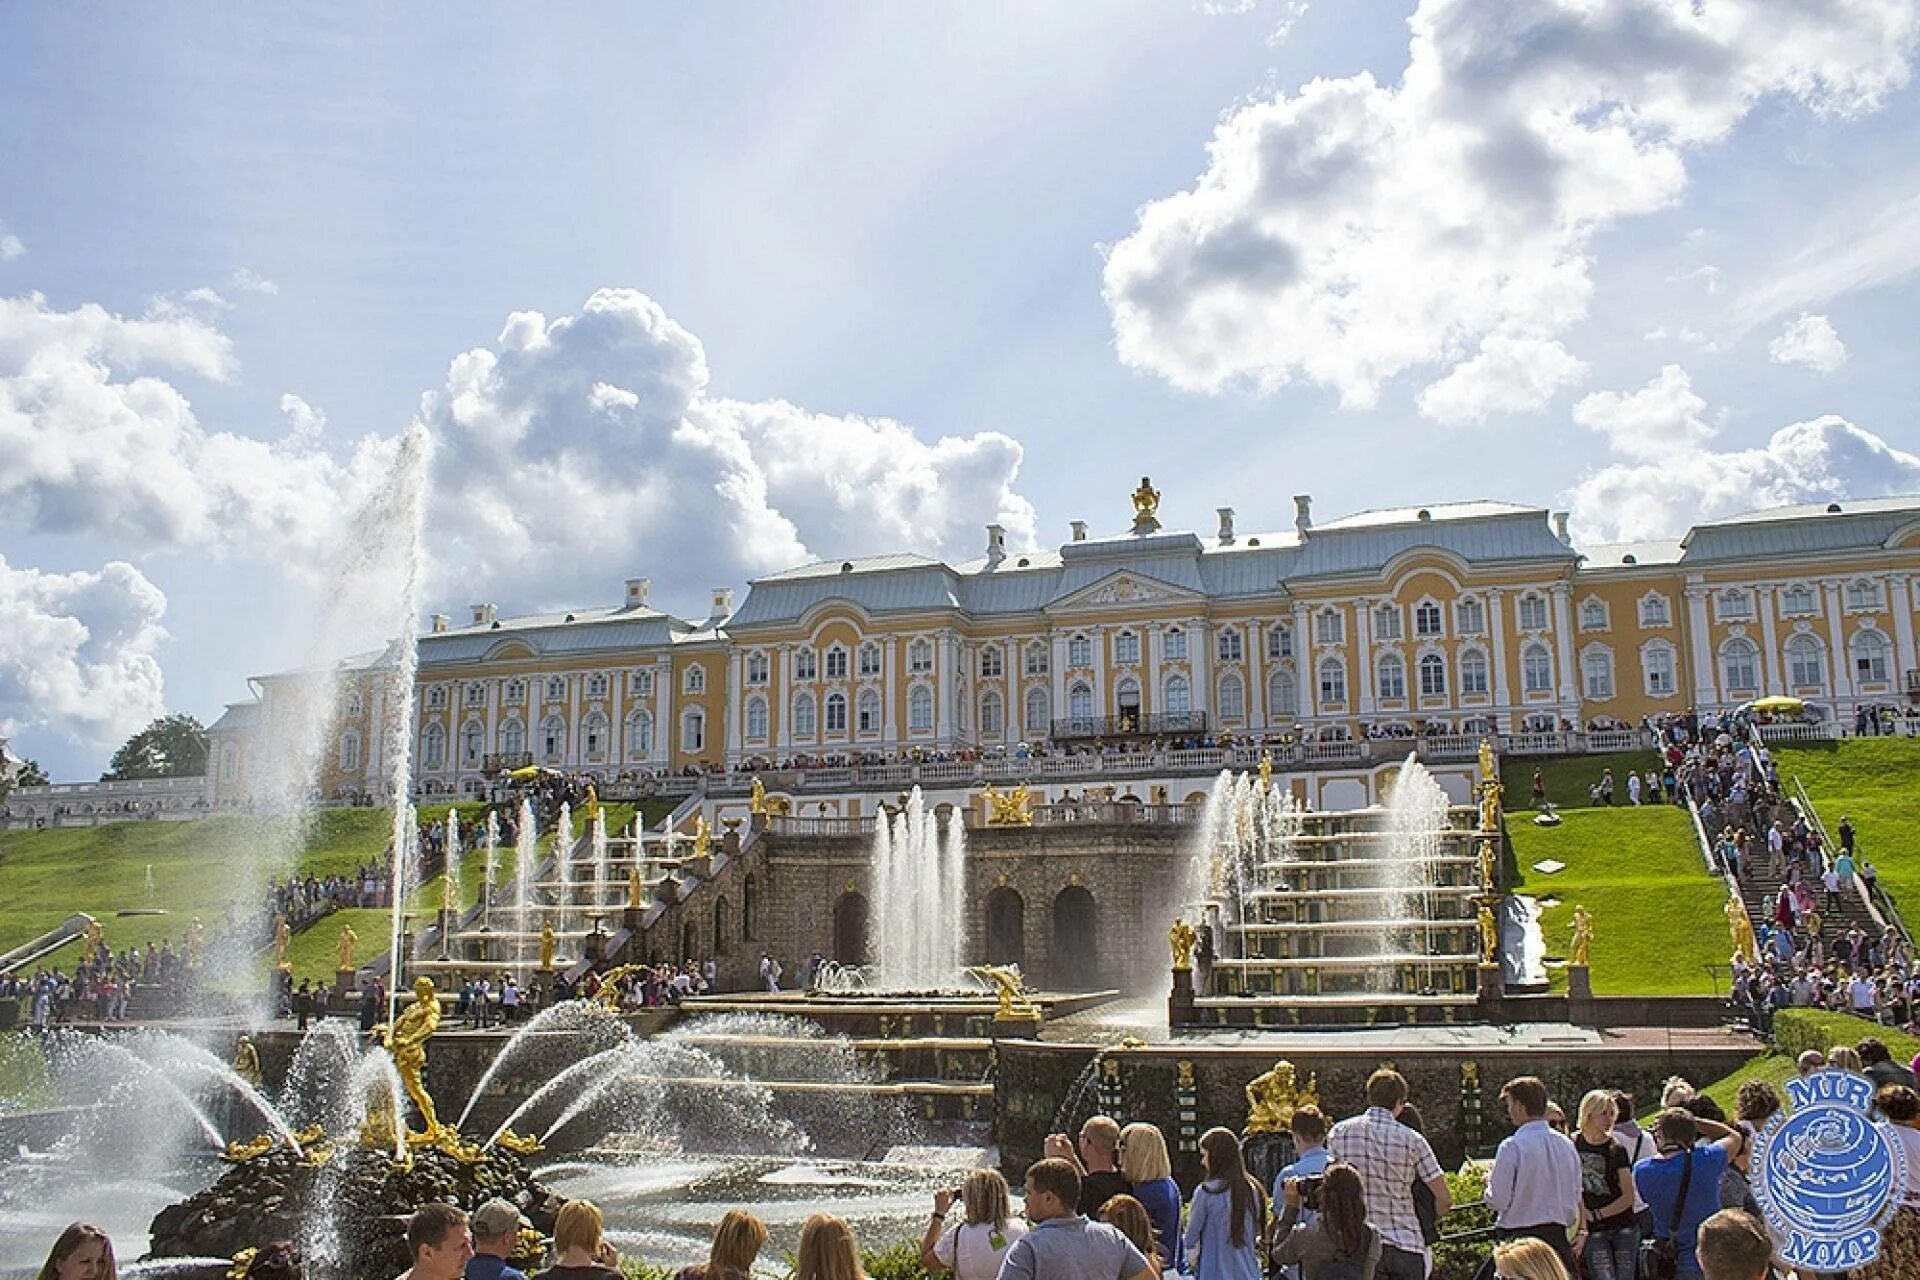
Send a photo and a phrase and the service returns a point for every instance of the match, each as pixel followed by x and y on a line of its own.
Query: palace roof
pixel 1814 527
pixel 574 631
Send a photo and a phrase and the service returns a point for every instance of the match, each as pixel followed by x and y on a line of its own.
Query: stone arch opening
pixel 1006 927
pixel 850 928
pixel 720 927
pixel 1076 940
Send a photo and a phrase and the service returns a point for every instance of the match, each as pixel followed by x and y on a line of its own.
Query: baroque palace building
pixel 1450 621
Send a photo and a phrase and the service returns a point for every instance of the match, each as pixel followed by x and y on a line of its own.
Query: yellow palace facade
pixel 1456 619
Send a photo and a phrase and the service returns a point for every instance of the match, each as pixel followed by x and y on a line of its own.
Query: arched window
pixel 1596 673
pixel 837 662
pixel 516 691
pixel 722 927
pixel 513 736
pixel 959 706
pixel 1080 700
pixel 1473 672
pixel 1427 618
pixel 1279 641
pixel 1806 662
pixel 696 679
pixel 593 736
pixel 1330 626
pixel 757 668
pixel 1469 616
pixel 1433 676
pixel 556 689
pixel 1127 692
pixel 349 751
pixel 433 747
pixel 1283 695
pixel 836 713
pixel 1039 710
pixel 806 664
pixel 693 730
pixel 993 660
pixel 472 744
pixel 1126 647
pixel 1655 611
pixel 867 710
pixel 353 704
pixel 1798 600
pixel 1333 684
pixel 1179 696
pixel 920 709
pixel 1228 645
pixel 597 685
pixel 919 656
pixel 1593 614
pixel 1870 657
pixel 1536 669
pixel 869 659
pixel 1532 612
pixel 553 737
pixel 991 719
pixel 1658 668
pixel 1740 664
pixel 805 723
pixel 1390 681
pixel 1173 645
pixel 1863 595
pixel 1079 652
pixel 230 762
pixel 1233 697
pixel 1036 659
pixel 1386 622
pixel 640 735
pixel 757 718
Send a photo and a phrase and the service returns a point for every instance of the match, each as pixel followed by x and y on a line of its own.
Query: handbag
pixel 1660 1257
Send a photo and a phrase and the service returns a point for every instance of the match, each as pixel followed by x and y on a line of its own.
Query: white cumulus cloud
pixel 1809 341
pixel 10 246
pixel 247 281
pixel 583 449
pixel 1508 375
pixel 1352 230
pixel 1675 477
pixel 77 652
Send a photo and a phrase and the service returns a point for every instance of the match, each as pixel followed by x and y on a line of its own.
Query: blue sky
pixel 849 232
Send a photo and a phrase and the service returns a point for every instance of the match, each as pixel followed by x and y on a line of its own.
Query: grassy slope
pixel 1876 782
pixel 1568 777
pixel 1656 912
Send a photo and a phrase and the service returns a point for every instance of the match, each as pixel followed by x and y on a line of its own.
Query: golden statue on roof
pixel 1146 507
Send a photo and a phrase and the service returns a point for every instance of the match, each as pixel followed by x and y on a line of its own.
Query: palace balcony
pixel 1136 725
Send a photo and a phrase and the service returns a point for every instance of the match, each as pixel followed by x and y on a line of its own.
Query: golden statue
pixel 95 944
pixel 343 950
pixel 406 1039
pixel 1146 507
pixel 1486 865
pixel 1273 1098
pixel 1582 934
pixel 1182 938
pixel 1489 769
pixel 546 945
pixel 1183 1073
pixel 246 1060
pixel 636 887
pixel 1489 936
pixel 521 1144
pixel 757 804
pixel 241 1152
pixel 449 895
pixel 1741 928
pixel 380 1127
pixel 196 943
pixel 778 806
pixel 1014 1004
pixel 702 836
pixel 282 937
pixel 1489 806
pixel 1266 772
pixel 592 806
pixel 1008 809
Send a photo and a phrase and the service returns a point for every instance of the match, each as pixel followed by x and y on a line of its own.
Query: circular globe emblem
pixel 1827 1173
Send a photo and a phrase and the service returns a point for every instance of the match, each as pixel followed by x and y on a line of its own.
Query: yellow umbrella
pixel 525 773
pixel 1777 702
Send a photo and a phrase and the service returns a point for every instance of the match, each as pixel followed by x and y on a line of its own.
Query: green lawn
pixel 1568 777
pixel 1876 782
pixel 1656 912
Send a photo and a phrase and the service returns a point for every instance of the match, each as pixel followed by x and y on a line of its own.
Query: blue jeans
pixel 1613 1255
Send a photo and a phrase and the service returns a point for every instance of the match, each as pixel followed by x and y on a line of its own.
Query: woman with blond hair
pixel 737 1242
pixel 1149 1174
pixel 580 1245
pixel 1129 1217
pixel 827 1251
pixel 972 1249
pixel 1606 1185
pixel 82 1252
pixel 1527 1259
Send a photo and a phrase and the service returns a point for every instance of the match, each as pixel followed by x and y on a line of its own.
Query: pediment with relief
pixel 1124 589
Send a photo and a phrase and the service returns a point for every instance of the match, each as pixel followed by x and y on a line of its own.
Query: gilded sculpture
pixel 1146 505
pixel 1489 935
pixel 95 946
pixel 636 888
pixel 1006 980
pixel 1182 938
pixel 406 1039
pixel 702 837
pixel 1487 865
pixel 246 1060
pixel 1489 806
pixel 757 804
pixel 1741 928
pixel 1266 772
pixel 282 938
pixel 1582 934
pixel 1489 768
pixel 546 945
pixel 1272 1098
pixel 1009 808
pixel 343 949
pixel 592 807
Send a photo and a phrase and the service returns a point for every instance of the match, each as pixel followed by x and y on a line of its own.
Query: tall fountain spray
pixel 1246 823
pixel 410 484
pixel 1417 824
pixel 918 923
pixel 523 856
pixel 492 872
pixel 562 845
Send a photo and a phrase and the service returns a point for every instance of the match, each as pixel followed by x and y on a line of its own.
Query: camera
pixel 1310 1191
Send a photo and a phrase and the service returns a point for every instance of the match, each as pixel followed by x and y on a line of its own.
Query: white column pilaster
pixel 892 690
pixel 943 678
pixel 1151 638
pixel 1200 655
pixel 1900 600
pixel 666 734
pixel 1570 691
pixel 1256 675
pixel 1763 601
pixel 783 689
pixel 1303 673
pixel 1497 646
pixel 1705 677
pixel 1363 635
pixel 1842 654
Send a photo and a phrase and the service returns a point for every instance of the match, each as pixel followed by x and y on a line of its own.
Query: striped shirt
pixel 1390 1158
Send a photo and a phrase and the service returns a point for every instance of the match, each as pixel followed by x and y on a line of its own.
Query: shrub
pixel 1459 1261
pixel 1797 1030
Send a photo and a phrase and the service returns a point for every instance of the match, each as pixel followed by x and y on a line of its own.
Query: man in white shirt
pixel 1535 1186
pixel 1863 994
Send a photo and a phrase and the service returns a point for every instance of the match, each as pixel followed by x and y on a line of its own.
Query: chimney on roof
pixel 1226 525
pixel 1303 511
pixel 722 602
pixel 439 623
pixel 1079 528
pixel 996 545
pixel 639 591
pixel 484 615
pixel 1560 528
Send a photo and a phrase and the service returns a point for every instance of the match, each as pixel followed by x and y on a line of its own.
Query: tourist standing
pixel 580 1242
pixel 975 1248
pixel 827 1250
pixel 1095 1161
pixel 1900 1238
pixel 1606 1183
pixel 1527 1258
pixel 509 1001
pixel 1063 1244
pixel 1681 1185
pixel 737 1242
pixel 1390 1158
pixel 496 1227
pixel 81 1252
pixel 1735 1246
pixel 1877 1064
pixel 1149 1173
pixel 439 1242
pixel 1228 1213
pixel 1535 1186
pixel 1339 1232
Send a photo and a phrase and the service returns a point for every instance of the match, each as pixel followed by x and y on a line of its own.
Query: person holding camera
pixel 972 1249
pixel 1339 1243
pixel 1681 1186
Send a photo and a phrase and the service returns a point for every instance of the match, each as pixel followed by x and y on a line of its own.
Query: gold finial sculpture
pixel 282 938
pixel 702 836
pixel 1182 938
pixel 1489 935
pixel 246 1060
pixel 1582 934
pixel 1741 928
pixel 406 1039
pixel 546 945
pixel 1183 1073
pixel 1273 1097
pixel 1012 989
pixel 1146 507
pixel 636 888
pixel 1266 772
pixel 1487 865
pixel 1008 809
pixel 757 804
pixel 343 949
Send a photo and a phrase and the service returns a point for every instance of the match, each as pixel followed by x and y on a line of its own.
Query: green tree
pixel 29 774
pixel 173 746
